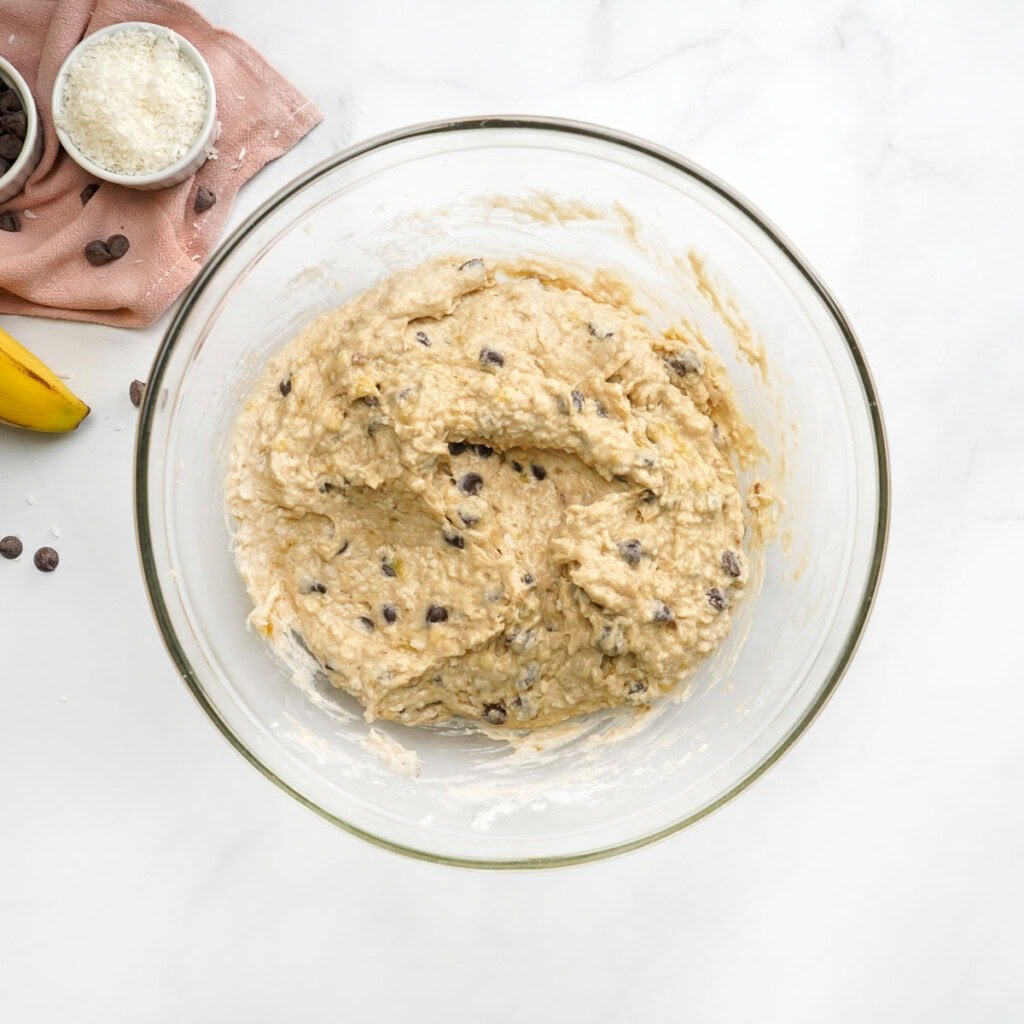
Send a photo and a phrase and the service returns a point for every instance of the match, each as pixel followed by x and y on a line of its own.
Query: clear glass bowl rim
pixel 613 137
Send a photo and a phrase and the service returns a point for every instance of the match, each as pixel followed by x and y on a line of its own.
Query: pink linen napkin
pixel 43 270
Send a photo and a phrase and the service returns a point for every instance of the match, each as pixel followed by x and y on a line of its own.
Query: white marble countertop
pixel 147 873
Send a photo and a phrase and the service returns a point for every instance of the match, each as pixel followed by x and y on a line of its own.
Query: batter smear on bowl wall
pixel 494 495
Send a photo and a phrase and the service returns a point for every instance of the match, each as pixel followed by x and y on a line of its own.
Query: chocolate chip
pixel 89 191
pixel 730 564
pixel 476 264
pixel 496 714
pixel 647 496
pixel 600 408
pixel 9 221
pixel 483 451
pixel 577 399
pixel 662 613
pixel 528 579
pixel 423 338
pixel 457 447
pixel 528 678
pixel 539 472
pixel 390 613
pixel 11 547
pixel 488 357
pixel 97 253
pixel 717 599
pixel 630 550
pixel 285 387
pixel 388 569
pixel 453 537
pixel 15 123
pixel 596 332
pixel 325 487
pixel 637 687
pixel 9 101
pixel 437 613
pixel 684 363
pixel 471 483
pixel 468 519
pixel 371 400
pixel 10 146
pixel 316 588
pixel 136 392
pixel 5 166
pixel 118 246
pixel 204 199
pixel 46 559
pixel 612 641
pixel 517 466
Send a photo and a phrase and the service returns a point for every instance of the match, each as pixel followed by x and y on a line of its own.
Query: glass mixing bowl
pixel 592 199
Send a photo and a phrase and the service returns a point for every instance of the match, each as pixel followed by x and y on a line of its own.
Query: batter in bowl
pixel 495 497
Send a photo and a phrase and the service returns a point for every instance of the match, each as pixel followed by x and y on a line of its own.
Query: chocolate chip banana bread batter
pixel 495 498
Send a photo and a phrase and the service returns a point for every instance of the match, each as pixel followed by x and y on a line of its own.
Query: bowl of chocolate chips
pixel 21 142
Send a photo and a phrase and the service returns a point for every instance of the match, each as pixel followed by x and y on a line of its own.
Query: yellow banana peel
pixel 32 395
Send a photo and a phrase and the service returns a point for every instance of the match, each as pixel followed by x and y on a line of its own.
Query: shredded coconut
pixel 133 102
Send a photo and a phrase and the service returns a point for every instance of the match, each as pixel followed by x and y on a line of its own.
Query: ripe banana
pixel 31 394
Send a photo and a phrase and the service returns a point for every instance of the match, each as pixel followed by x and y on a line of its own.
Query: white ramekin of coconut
pixel 135 104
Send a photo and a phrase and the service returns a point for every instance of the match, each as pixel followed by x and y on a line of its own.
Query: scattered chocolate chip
pixel 539 472
pixel 457 447
pixel 423 338
pixel 528 579
pixel 371 400
pixel 517 466
pixel 89 191
pixel 453 537
pixel 600 408
pixel 97 253
pixel 528 678
pixel 684 363
pixel 46 559
pixel 630 550
pixel 390 613
pixel 596 332
pixel 577 399
pixel 342 549
pixel 15 123
pixel 637 687
pixel 496 714
pixel 488 357
pixel 204 199
pixel 10 146
pixel 366 623
pixel 9 221
pixel 316 588
pixel 483 451
pixel 118 246
pixel 388 569
pixel 730 564
pixel 662 613
pixel 11 547
pixel 285 387
pixel 472 264
pixel 471 483
pixel 136 392
pixel 436 613
pixel 717 599
pixel 647 496
pixel 325 487
pixel 612 641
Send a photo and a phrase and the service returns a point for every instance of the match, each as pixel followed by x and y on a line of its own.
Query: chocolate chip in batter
pixel 528 579
pixel 612 641
pixel 423 338
pixel 639 686
pixel 630 550
pixel 717 599
pixel 483 451
pixel 539 472
pixel 685 362
pixel 366 623
pixel 204 199
pixel 457 447
pixel 374 426
pixel 436 613
pixel 496 714
pixel 390 613
pixel 577 399
pixel 325 487
pixel 490 358
pixel 528 677
pixel 342 549
pixel 11 547
pixel 88 192
pixel 662 612
pixel 9 221
pixel 388 569
pixel 285 387
pixel 316 588
pixel 371 400
pixel 471 483
pixel 517 466
pixel 468 519
pixel 46 559
pixel 601 335
pixel 453 537
pixel 730 564
pixel 476 264
pixel 600 408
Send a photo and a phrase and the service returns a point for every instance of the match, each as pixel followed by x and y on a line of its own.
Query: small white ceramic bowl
pixel 175 173
pixel 31 153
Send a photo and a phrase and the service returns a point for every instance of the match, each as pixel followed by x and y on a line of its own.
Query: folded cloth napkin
pixel 43 270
